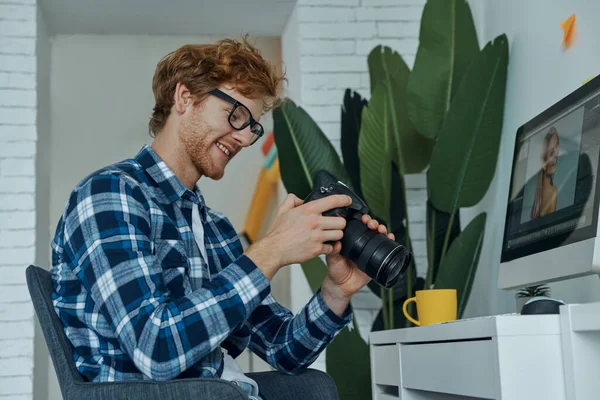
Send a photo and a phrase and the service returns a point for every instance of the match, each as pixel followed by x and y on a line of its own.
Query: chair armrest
pixel 179 389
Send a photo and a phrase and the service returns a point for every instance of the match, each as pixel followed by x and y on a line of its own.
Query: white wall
pixel 325 47
pixel 18 134
pixel 101 100
pixel 42 363
pixel 539 74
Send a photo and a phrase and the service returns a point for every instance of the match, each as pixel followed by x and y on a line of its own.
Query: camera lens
pixel 376 255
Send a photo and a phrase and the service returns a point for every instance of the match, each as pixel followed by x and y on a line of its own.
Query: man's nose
pixel 243 137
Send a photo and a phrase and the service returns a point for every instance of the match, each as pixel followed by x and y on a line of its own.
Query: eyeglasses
pixel 240 116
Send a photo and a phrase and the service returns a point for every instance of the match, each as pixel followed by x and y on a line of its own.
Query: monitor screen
pixel 553 199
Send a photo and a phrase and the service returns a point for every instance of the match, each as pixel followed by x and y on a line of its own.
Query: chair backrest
pixel 39 283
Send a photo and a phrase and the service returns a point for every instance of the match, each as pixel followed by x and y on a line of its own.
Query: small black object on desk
pixel 542 305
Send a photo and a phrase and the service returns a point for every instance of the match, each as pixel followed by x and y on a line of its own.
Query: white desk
pixel 512 357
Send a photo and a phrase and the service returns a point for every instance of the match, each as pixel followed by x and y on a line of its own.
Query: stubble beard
pixel 193 134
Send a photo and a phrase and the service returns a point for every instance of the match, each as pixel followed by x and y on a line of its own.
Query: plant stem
pixel 430 246
pixel 407 225
pixel 384 309
pixel 447 237
pixel 391 307
pixel 407 245
pixel 408 294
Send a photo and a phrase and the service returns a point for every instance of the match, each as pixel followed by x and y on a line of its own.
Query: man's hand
pixel 344 278
pixel 298 233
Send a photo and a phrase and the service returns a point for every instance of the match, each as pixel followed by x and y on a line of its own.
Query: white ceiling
pixel 167 17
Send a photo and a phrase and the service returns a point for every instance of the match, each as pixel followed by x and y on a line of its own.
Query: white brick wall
pixel 17 194
pixel 335 37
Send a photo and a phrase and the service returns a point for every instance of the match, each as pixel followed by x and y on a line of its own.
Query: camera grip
pixel 314 195
pixel 324 192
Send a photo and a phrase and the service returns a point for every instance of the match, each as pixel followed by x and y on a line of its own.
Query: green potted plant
pixel 526 293
pixel 444 116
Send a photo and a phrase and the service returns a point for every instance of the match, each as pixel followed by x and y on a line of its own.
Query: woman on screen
pixel 546 194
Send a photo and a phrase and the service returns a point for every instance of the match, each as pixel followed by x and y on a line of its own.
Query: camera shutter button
pixel 326 189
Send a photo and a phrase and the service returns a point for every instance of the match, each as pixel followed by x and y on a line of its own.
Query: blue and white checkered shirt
pixel 138 300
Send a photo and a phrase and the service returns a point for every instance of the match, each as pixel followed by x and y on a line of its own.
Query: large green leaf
pixel 437 224
pixel 347 360
pixel 351 122
pixel 464 158
pixel 385 63
pixel 411 151
pixel 398 207
pixel 303 149
pixel 458 268
pixel 349 369
pixel 447 44
pixel 398 225
pixel 374 152
pixel 315 271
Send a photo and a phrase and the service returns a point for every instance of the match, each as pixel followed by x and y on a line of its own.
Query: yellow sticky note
pixel 568 27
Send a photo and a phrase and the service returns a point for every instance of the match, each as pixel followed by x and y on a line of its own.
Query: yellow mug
pixel 433 306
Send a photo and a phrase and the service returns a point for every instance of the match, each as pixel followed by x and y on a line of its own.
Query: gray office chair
pixel 311 385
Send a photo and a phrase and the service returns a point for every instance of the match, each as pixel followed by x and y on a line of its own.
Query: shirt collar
pixel 165 178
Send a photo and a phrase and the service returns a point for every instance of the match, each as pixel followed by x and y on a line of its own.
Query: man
pixel 151 283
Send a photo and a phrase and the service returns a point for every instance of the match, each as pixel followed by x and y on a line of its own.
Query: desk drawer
pixel 463 368
pixel 387 397
pixel 386 364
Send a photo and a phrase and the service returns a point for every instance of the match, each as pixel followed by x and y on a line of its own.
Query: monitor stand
pixel 516 357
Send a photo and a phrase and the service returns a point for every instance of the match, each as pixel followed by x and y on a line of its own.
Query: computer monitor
pixel 551 228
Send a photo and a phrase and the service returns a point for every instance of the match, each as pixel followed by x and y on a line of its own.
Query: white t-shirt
pixel 231 369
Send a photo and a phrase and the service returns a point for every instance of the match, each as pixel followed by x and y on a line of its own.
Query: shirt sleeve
pixel 107 244
pixel 291 343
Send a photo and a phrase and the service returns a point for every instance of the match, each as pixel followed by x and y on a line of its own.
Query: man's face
pixel 207 135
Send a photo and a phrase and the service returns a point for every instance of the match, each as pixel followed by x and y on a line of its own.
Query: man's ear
pixel 182 98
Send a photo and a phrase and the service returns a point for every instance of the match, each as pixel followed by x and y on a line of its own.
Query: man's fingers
pixel 332 223
pixel 332 235
pixel 329 202
pixel 337 247
pixel 296 201
pixel 291 201
pixel 326 249
pixel 373 224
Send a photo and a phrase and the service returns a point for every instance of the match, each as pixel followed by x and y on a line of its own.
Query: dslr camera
pixel 381 258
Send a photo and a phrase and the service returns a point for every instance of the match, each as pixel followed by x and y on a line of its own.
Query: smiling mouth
pixel 223 149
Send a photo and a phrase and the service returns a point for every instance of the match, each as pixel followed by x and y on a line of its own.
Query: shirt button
pixel 184 258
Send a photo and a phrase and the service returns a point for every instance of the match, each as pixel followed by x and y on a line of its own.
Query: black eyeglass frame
pixel 251 121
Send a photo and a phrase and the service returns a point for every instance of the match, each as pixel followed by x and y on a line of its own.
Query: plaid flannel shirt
pixel 138 300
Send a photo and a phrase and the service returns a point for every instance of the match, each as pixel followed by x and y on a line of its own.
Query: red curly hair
pixel 203 67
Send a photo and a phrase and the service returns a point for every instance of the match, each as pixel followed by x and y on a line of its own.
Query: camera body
pixel 381 258
pixel 353 211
